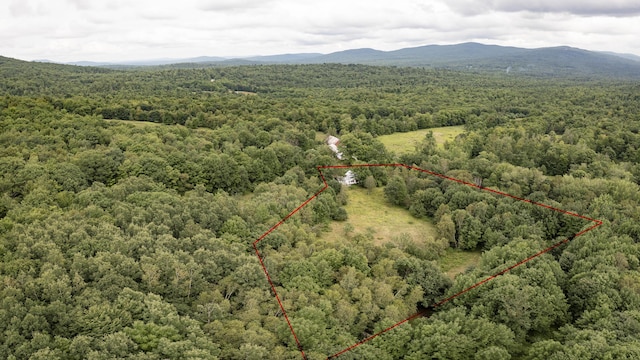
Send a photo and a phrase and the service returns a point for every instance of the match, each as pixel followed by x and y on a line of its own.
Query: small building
pixel 333 142
pixel 348 179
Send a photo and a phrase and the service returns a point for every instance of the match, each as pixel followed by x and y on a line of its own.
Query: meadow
pixel 380 222
pixel 370 213
pixel 404 143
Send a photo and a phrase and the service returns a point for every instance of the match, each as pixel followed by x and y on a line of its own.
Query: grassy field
pixel 402 143
pixel 370 213
pixel 455 261
pixel 320 136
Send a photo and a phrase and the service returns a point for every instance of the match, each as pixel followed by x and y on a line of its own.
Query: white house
pixel 333 142
pixel 348 179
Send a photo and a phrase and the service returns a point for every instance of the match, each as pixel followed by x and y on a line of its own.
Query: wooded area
pixel 126 241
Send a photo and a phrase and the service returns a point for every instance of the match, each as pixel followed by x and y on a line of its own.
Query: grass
pixel 403 143
pixel 455 261
pixel 245 92
pixel 370 213
pixel 320 136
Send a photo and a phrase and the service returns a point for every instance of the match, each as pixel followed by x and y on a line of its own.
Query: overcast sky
pixel 112 30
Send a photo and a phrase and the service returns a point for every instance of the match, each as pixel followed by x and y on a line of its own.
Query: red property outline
pixel 441 302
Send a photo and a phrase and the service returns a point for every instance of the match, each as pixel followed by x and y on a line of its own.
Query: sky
pixel 125 30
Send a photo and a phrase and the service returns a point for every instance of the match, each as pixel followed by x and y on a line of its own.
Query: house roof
pixel 332 140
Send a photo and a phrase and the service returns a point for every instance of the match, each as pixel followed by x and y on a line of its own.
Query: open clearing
pixel 403 143
pixel 370 213
pixel 455 261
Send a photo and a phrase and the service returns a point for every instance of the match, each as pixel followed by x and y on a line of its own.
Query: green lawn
pixel 370 213
pixel 455 261
pixel 320 136
pixel 402 143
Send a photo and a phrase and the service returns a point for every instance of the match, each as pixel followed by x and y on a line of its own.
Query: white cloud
pixel 618 8
pixel 109 30
pixel 231 5
pixel 82 4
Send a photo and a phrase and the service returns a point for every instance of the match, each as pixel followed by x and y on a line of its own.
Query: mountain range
pixel 551 61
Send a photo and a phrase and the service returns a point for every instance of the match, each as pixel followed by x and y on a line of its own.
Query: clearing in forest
pixel 454 257
pixel 404 143
pixel 320 136
pixel 370 213
pixel 456 261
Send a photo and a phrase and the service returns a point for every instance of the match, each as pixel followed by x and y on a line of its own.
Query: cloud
pixel 81 4
pixel 21 8
pixel 112 30
pixel 27 8
pixel 614 8
pixel 231 5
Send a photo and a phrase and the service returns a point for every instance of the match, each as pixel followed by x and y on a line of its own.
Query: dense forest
pixel 130 200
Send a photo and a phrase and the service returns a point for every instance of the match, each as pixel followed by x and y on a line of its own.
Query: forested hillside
pixel 130 200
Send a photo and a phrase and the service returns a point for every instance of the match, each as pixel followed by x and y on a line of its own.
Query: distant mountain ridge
pixel 625 56
pixel 561 60
pixel 549 61
pixel 155 62
pixel 284 57
pixel 422 55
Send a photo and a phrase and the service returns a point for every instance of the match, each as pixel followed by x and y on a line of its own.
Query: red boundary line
pixel 441 302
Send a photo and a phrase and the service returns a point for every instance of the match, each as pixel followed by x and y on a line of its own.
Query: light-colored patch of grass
pixel 446 134
pixel 239 92
pixel 371 213
pixel 403 143
pixel 455 261
pixel 320 136
pixel 245 198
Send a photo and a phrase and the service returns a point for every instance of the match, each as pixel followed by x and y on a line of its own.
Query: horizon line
pixel 249 57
